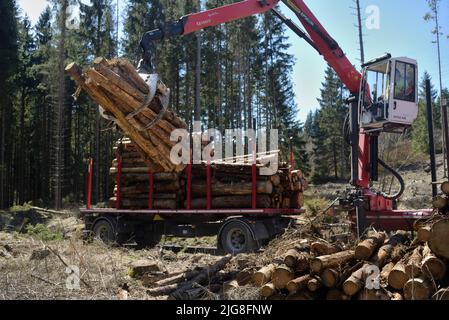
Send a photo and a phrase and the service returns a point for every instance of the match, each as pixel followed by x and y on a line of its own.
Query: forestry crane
pixel 392 106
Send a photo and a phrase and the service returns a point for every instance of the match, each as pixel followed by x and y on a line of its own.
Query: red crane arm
pixel 321 39
pixel 227 13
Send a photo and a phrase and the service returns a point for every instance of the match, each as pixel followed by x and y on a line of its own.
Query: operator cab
pixel 394 105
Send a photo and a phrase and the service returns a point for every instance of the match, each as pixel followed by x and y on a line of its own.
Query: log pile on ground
pixel 123 96
pixel 380 267
pixel 231 185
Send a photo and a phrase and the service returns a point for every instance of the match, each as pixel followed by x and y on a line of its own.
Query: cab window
pixel 404 82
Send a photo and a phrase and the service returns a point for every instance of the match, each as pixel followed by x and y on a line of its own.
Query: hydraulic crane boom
pixel 318 37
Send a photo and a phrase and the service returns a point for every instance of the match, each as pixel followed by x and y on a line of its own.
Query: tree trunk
pixel 330 261
pixel 264 275
pixel 367 247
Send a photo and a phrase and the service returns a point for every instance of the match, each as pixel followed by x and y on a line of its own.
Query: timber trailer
pixel 392 107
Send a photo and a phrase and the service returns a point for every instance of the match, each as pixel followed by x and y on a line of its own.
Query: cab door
pixel 403 105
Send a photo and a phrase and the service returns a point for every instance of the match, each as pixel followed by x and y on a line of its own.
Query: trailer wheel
pixel 236 238
pixel 104 231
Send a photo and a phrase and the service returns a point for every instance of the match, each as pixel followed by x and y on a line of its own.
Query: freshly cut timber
pixel 298 284
pixel 418 289
pixel 282 275
pixel 330 261
pixel 141 112
pixel 356 281
pixel 413 266
pixel 389 250
pixel 267 290
pixel 314 284
pixel 423 233
pixel 438 241
pixel 397 276
pixel 230 202
pixel 264 275
pixel 440 202
pixel 321 248
pixel 366 248
pixel 445 187
pixel 432 266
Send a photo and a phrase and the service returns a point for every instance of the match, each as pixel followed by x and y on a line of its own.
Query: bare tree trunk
pixel 359 25
pixel 59 161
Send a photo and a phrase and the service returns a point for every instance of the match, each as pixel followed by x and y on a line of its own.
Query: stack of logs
pixel 122 94
pixel 231 185
pixel 378 268
pixel 135 182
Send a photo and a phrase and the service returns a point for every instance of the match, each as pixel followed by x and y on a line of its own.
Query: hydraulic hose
pixel 347 138
pixel 398 177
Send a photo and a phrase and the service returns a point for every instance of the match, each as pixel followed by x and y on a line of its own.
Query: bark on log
pixel 418 289
pixel 282 275
pixel 356 281
pixel 291 258
pixel 413 266
pixel 397 276
pixel 423 233
pixel 199 188
pixel 432 266
pixel 298 284
pixel 440 202
pixel 386 252
pixel 203 276
pixel 264 275
pixel 267 290
pixel 321 248
pixel 445 187
pixel 438 242
pixel 231 202
pixel 318 264
pixel 367 247
pixel 314 284
pixel 330 278
pixel 385 273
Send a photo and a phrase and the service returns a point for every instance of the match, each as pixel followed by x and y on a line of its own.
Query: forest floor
pixel 38 250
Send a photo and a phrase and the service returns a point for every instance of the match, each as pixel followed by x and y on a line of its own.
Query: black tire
pixel 236 238
pixel 105 232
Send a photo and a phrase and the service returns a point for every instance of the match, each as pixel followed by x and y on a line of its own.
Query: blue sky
pixel 402 32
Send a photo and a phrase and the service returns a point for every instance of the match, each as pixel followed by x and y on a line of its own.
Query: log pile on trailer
pixel 230 185
pixel 124 96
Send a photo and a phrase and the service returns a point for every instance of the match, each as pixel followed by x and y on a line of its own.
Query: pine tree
pixel 8 65
pixel 332 152
pixel 26 89
pixel 420 134
pixel 41 112
pixel 137 22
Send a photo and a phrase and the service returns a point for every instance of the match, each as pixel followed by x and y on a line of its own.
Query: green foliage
pixel 325 128
pixel 44 233
pixel 315 206
pixel 420 133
